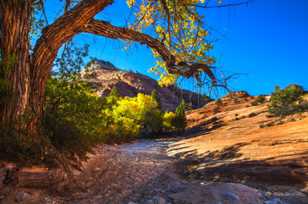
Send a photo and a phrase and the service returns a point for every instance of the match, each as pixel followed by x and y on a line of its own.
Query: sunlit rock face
pixel 103 76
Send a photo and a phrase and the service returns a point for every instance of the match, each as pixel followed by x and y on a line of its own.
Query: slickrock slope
pixel 238 142
pixel 103 76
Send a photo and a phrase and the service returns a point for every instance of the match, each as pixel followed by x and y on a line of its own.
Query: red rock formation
pixel 103 76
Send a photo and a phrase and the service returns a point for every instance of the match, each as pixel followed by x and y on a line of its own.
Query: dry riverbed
pixel 142 172
pixel 234 153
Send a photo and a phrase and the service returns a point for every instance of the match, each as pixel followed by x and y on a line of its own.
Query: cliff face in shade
pixel 103 76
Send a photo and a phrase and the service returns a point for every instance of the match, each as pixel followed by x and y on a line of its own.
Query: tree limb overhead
pixel 62 30
pixel 108 30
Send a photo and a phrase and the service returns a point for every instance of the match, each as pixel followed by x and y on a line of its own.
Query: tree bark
pixel 46 49
pixel 25 75
pixel 15 23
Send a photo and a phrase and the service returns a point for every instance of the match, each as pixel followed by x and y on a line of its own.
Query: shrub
pixel 259 100
pixel 287 101
pixel 156 97
pixel 167 80
pixel 168 118
pixel 73 119
pixel 141 112
pixel 179 121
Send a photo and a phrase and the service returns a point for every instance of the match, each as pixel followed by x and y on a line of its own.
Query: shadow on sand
pixel 227 165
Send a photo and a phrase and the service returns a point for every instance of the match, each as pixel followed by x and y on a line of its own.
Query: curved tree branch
pixel 107 30
pixel 47 46
pixel 62 30
pixel 110 31
pixel 80 19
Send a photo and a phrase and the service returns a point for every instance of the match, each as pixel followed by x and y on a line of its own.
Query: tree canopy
pixel 173 29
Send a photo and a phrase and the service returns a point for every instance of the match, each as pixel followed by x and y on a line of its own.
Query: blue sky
pixel 265 43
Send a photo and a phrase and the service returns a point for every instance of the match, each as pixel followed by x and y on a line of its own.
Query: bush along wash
pixel 75 119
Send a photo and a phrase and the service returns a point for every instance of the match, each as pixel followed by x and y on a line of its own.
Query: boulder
pixel 218 193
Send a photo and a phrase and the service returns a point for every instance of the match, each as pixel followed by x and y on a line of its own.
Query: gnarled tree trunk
pixel 27 73
pixel 15 24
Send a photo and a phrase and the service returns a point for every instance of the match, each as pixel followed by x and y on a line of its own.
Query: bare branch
pixel 67 5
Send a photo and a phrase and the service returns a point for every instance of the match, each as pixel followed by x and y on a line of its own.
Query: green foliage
pixel 73 119
pixel 167 79
pixel 71 59
pixel 137 116
pixel 179 27
pixel 259 100
pixel 287 101
pixel 168 121
pixel 180 117
pixel 114 93
pixel 141 116
pixel 112 98
pixel 155 97
pixel 175 121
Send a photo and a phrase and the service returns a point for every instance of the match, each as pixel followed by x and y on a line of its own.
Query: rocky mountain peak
pixel 103 76
pixel 100 64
